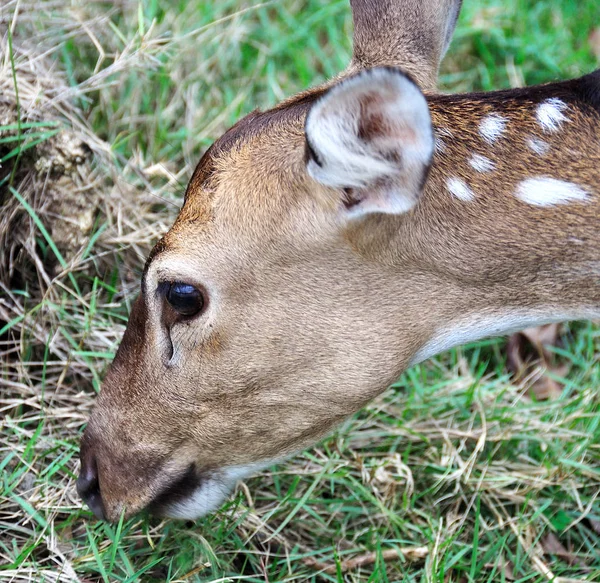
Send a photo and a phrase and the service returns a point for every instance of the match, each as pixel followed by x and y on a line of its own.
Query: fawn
pixel 331 242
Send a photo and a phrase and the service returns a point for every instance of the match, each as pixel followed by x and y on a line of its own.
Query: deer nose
pixel 88 485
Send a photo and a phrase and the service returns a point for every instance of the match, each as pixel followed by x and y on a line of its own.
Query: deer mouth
pixel 177 492
pixel 197 492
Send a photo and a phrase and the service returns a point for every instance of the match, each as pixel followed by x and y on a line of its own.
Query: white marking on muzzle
pixel 211 492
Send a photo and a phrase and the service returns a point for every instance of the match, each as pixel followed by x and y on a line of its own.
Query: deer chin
pixel 196 493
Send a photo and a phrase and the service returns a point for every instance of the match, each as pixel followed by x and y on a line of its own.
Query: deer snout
pixel 88 484
pixel 121 475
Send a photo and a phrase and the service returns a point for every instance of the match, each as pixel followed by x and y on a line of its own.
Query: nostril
pixel 88 485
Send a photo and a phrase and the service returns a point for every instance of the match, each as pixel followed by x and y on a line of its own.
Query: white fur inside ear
pixel 372 133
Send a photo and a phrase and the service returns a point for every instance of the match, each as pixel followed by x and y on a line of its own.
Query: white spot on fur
pixel 550 114
pixel 546 191
pixel 538 146
pixel 441 134
pixel 481 163
pixel 492 127
pixel 459 189
pixel 440 145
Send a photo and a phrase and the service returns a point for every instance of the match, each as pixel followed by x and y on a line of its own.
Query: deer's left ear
pixel 370 136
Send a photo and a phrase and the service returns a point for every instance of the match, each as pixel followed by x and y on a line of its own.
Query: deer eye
pixel 184 298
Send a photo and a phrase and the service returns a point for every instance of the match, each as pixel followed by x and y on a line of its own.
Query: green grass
pixel 455 457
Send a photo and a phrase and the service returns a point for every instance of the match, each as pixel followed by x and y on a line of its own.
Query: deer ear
pixel 370 136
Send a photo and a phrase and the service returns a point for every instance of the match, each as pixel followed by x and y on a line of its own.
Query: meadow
pixel 457 473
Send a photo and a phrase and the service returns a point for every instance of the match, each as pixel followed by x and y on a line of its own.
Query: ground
pixel 456 473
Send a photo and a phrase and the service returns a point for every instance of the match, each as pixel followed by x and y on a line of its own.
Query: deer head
pixel 319 253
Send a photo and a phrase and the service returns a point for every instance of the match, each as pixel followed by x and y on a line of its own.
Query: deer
pixel 331 242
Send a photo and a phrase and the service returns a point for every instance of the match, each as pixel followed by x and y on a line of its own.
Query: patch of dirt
pixel 71 212
pixel 54 175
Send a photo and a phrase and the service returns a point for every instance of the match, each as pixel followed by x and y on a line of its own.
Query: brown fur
pixel 307 322
pixel 410 34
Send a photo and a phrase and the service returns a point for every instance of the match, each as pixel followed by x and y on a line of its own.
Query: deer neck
pixel 506 232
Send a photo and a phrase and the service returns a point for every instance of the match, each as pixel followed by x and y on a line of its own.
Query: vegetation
pixel 456 473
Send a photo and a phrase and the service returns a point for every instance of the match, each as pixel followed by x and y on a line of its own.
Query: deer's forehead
pixel 253 161
pixel 259 191
pixel 253 172
pixel 251 196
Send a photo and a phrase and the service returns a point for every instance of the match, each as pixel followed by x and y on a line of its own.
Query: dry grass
pixel 454 474
pixel 76 222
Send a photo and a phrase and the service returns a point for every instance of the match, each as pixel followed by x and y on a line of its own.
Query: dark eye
pixel 184 298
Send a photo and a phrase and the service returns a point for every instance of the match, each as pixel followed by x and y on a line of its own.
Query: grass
pixel 454 460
